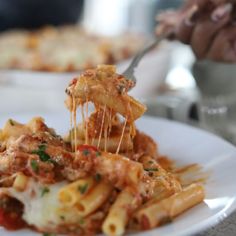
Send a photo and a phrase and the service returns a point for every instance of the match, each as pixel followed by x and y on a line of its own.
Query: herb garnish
pixel 83 188
pixel 98 153
pixel 42 154
pixel 11 122
pixel 34 166
pixel 62 217
pixel 45 190
pixel 97 177
pixel 81 221
pixel 151 169
pixel 86 152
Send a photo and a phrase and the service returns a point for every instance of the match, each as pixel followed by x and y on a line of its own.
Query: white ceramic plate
pixel 27 90
pixel 185 145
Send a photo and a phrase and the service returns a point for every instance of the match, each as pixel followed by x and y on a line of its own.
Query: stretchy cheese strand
pixel 103 118
pixel 121 137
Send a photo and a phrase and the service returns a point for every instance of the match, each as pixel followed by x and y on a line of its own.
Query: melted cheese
pixel 121 137
pixel 44 211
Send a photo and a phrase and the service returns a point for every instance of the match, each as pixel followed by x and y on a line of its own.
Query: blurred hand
pixel 208 26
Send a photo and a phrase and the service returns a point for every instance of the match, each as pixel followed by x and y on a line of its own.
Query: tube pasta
pixel 119 213
pixel 101 88
pixel 157 198
pixel 111 143
pixel 13 129
pixel 93 199
pixel 117 104
pixel 117 166
pixel 20 182
pixel 160 212
pixel 71 194
pixel 163 180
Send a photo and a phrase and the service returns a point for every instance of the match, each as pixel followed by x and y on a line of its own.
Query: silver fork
pixel 129 72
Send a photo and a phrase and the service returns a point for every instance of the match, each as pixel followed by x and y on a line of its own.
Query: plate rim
pixel 219 216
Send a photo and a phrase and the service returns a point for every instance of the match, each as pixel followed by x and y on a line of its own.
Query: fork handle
pixel 130 70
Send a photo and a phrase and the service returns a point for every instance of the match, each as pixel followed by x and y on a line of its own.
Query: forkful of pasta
pixel 104 87
pixel 108 92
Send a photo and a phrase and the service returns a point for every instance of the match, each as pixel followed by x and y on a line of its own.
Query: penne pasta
pixel 114 103
pixel 157 198
pixel 165 210
pixel 164 181
pixel 101 87
pixel 119 213
pixel 111 144
pixel 118 167
pixel 13 129
pixel 72 193
pixel 20 182
pixel 93 199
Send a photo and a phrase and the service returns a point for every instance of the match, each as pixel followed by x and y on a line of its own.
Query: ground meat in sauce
pixel 45 164
pixel 145 144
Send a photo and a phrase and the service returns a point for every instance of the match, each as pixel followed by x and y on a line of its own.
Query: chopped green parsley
pixel 11 122
pixel 86 152
pixel 81 221
pixel 98 153
pixel 97 177
pixel 34 166
pixel 45 190
pixel 42 154
pixel 83 188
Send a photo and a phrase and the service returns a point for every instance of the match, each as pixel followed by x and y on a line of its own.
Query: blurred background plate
pixel 33 91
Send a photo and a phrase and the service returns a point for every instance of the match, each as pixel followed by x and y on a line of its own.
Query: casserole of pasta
pixel 103 176
pixel 64 49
